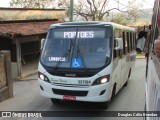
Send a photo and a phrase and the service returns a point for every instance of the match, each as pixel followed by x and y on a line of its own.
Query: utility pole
pixel 71 10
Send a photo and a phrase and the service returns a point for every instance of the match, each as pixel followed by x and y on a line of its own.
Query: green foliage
pixel 32 3
pixel 119 18
pixel 125 18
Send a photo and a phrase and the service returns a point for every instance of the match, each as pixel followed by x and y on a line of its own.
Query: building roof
pixel 13 29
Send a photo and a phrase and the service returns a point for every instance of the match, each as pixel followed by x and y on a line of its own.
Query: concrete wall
pixel 2 72
pixel 6 83
pixel 14 70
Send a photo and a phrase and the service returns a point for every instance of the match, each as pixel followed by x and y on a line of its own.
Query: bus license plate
pixel 69 97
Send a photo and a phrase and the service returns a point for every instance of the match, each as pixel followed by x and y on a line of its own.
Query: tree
pixel 88 9
pixel 129 16
pixel 32 3
pixel 101 9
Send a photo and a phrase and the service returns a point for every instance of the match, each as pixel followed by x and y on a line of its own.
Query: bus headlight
pixel 43 77
pixel 101 80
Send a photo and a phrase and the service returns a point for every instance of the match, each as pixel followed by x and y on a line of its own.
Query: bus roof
pixel 92 23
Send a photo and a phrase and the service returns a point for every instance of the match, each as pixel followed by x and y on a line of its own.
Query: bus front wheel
pixel 103 105
pixel 113 91
pixel 55 101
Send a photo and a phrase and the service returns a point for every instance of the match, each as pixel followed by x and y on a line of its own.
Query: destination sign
pixel 57 59
pixel 80 34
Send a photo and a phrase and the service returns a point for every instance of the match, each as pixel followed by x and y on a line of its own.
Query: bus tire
pixel 55 101
pixel 126 83
pixel 113 91
pixel 103 105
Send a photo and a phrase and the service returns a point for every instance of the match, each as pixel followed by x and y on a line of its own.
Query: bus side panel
pixel 153 87
pixel 116 79
pixel 121 69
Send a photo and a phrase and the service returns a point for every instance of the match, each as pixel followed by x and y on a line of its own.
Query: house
pixel 21 31
pixel 23 39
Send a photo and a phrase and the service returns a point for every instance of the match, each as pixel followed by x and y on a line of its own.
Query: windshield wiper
pixel 80 54
pixel 66 54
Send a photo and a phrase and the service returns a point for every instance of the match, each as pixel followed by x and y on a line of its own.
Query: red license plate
pixel 69 97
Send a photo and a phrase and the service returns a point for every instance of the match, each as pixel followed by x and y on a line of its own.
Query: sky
pixel 146 3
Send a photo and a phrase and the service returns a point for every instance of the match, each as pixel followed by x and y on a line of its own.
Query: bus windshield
pixel 77 47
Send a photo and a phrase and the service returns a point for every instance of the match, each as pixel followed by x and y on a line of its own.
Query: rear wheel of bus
pixel 126 83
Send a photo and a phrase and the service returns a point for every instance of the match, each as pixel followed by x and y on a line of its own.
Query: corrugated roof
pixel 24 29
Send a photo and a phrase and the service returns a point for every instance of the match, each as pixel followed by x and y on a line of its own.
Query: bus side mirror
pixel 119 44
pixel 42 43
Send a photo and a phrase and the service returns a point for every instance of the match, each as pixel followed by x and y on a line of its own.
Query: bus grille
pixel 74 74
pixel 69 92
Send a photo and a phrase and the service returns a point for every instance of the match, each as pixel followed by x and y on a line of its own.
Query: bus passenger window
pixel 131 39
pixel 118 34
pixel 128 42
pixel 124 48
pixel 114 51
pixel 134 41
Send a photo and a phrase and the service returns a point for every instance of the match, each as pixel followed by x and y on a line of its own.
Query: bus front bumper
pixel 97 93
